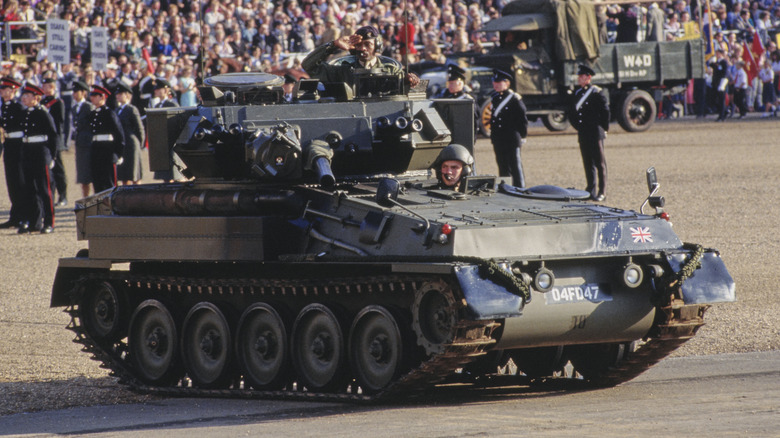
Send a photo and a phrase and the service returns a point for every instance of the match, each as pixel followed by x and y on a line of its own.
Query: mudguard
pixel 484 298
pixel 711 283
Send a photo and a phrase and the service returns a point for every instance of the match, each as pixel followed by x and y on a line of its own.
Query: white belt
pixel 36 139
pixel 66 93
pixel 103 137
pixel 146 96
pixel 15 134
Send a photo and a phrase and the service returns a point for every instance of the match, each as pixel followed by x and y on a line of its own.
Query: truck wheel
pixel 637 112
pixel 556 122
pixel 484 118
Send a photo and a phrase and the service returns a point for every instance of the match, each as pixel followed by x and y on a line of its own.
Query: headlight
pixel 544 279
pixel 632 275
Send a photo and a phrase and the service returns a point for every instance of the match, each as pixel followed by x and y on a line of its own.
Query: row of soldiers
pixel 34 135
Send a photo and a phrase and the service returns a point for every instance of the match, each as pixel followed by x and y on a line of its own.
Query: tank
pixel 310 254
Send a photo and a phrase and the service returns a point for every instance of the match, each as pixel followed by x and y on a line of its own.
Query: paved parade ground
pixel 722 187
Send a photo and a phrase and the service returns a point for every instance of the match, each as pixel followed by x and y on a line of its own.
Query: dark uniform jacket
pixel 11 122
pixel 56 108
pixel 103 121
pixel 36 122
pixel 591 120
pixel 82 116
pixel 511 117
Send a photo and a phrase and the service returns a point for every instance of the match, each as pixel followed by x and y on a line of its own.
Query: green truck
pixel 541 42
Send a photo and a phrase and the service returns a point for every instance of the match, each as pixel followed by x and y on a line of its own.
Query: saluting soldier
pixel 589 115
pixel 11 123
pixel 40 145
pixel 56 109
pixel 129 172
pixel 82 117
pixel 508 128
pixel 108 141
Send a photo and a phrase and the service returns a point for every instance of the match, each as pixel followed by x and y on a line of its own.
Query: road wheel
pixel 538 362
pixel 485 112
pixel 261 348
pixel 594 361
pixel 318 350
pixel 637 111
pixel 206 346
pixel 556 122
pixel 152 342
pixel 375 348
pixel 101 312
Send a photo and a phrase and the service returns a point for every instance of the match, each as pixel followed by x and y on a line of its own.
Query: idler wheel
pixel 261 348
pixel 206 346
pixel 152 344
pixel 434 315
pixel 100 311
pixel 318 351
pixel 375 348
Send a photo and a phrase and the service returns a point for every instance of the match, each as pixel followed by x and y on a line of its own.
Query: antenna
pixel 202 45
pixel 406 40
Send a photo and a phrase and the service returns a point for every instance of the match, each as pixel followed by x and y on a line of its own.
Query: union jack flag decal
pixel 641 234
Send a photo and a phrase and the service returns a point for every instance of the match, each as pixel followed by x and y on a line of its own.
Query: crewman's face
pixel 451 171
pixel 455 86
pixel 583 80
pixel 365 49
pixel 500 86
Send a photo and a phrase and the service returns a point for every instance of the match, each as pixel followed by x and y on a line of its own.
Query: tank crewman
pixel 40 145
pixel 11 124
pixel 108 141
pixel 56 109
pixel 364 45
pixel 508 128
pixel 453 163
pixel 289 84
pixel 589 115
pixel 163 96
pixel 82 134
pixel 130 171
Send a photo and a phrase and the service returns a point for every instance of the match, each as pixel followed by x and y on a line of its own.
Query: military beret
pixel 500 75
pixel 30 88
pixel 454 72
pixel 583 69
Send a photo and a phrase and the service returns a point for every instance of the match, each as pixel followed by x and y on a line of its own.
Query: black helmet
pixel 454 151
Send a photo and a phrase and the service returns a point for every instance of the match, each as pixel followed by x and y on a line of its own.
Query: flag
pixel 751 55
pixel 148 60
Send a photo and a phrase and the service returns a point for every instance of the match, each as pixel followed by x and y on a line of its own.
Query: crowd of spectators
pixel 175 39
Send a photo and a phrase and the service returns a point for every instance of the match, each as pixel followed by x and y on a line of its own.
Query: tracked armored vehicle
pixel 310 254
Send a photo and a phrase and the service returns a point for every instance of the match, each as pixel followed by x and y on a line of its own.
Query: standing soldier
pixel 108 141
pixel 456 82
pixel 11 123
pixel 65 79
pixel 82 117
pixel 589 114
pixel 129 172
pixel 40 145
pixel 56 109
pixel 508 128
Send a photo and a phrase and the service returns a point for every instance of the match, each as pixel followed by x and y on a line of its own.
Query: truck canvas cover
pixel 574 20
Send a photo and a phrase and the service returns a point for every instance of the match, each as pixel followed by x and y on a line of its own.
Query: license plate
pixel 593 292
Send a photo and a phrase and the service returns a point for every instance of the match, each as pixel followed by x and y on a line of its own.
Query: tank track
pixel 470 341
